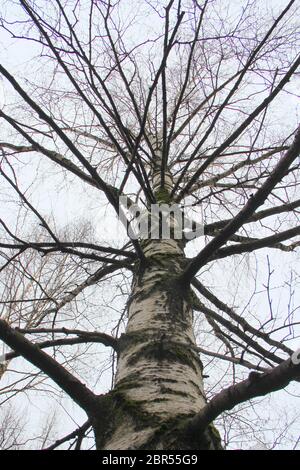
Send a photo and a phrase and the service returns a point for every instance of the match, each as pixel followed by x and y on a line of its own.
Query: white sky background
pixel 70 203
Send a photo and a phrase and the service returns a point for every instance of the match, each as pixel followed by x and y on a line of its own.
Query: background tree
pixel 189 103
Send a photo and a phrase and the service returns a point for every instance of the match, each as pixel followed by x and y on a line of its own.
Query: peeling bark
pixel 159 381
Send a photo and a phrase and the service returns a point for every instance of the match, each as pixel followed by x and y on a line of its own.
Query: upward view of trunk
pixel 159 380
pixel 159 376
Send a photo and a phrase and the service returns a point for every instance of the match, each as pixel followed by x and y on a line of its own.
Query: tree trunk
pixel 159 375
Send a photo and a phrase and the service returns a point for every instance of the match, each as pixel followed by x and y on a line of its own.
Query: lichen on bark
pixel 158 384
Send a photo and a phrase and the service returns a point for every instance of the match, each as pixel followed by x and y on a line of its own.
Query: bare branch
pixel 255 386
pixel 253 203
pixel 84 397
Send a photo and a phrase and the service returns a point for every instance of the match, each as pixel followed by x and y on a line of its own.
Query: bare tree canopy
pixel 149 231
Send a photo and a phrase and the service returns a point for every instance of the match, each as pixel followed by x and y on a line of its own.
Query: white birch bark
pixel 157 367
pixel 159 374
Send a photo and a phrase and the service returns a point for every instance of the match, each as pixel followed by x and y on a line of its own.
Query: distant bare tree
pixel 10 430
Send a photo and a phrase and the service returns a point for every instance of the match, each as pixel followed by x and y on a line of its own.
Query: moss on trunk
pixel 159 382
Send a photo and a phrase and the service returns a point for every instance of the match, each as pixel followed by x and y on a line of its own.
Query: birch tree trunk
pixel 159 380
pixel 159 376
